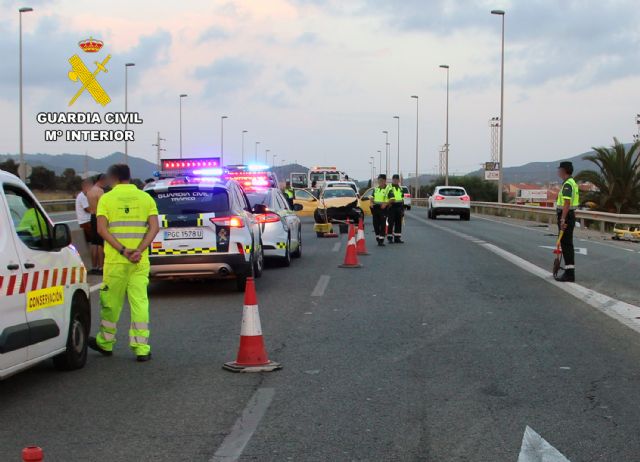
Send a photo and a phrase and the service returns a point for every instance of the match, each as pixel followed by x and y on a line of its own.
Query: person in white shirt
pixel 83 213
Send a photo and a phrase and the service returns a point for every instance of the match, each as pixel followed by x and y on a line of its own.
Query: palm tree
pixel 618 178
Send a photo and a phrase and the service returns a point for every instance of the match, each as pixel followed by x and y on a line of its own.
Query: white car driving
pixel 449 200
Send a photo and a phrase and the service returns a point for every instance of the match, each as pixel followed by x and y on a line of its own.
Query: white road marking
pixel 94 287
pixel 536 449
pixel 321 286
pixel 623 312
pixel 233 445
pixel 336 247
pixel 579 250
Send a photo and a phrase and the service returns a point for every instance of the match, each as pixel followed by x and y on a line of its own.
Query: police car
pixel 45 311
pixel 281 228
pixel 207 226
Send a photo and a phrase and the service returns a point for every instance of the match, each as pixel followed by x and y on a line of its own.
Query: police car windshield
pixel 191 199
pixel 451 192
pixel 331 193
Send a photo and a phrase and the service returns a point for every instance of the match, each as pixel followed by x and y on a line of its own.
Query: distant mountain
pixel 542 172
pixel 140 168
pixel 283 172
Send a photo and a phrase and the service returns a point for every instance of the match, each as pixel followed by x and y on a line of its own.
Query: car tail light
pixel 439 197
pixel 240 248
pixel 465 198
pixel 407 195
pixel 231 222
pixel 269 217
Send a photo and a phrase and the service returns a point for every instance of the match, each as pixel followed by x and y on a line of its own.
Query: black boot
pixel 93 344
pixel 381 242
pixel 390 239
pixel 569 275
pixel 398 240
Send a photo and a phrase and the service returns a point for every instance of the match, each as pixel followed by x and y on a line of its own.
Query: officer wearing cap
pixel 379 208
pixel 396 211
pixel 566 205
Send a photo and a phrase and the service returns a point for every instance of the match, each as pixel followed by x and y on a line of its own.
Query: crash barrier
pixel 602 221
pixel 351 254
pixel 32 454
pixel 252 354
pixel 60 205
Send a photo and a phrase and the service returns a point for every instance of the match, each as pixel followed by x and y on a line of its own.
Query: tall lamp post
pixel 446 142
pixel 500 180
pixel 372 162
pixel 257 143
pixel 243 132
pixel 222 139
pixel 266 156
pixel 386 152
pixel 273 162
pixel 416 185
pixel 183 95
pixel 126 108
pixel 380 154
pixel 398 159
pixel 22 170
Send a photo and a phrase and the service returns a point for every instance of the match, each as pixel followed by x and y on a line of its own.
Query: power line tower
pixel 159 149
pixel 495 127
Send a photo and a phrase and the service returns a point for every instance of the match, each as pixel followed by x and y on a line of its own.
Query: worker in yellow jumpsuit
pixel 128 222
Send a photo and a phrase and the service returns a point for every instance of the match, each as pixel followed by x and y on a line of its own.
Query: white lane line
pixel 535 449
pixel 94 287
pixel 233 445
pixel 321 286
pixel 623 312
pixel 336 247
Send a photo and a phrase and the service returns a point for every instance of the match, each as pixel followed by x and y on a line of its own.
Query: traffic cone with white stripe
pixel 361 241
pixel 252 354
pixel 351 256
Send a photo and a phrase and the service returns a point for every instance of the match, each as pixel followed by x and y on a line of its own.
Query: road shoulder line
pixel 622 312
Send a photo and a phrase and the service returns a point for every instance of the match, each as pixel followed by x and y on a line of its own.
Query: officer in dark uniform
pixel 379 204
pixel 566 205
pixel 396 211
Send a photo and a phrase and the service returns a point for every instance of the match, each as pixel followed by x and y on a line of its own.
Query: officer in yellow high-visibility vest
pixel 128 222
pixel 396 211
pixel 289 194
pixel 566 205
pixel 379 204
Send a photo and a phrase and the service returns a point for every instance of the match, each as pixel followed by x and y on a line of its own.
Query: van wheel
pixel 75 356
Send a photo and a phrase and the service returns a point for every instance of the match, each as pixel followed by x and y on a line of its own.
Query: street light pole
pixel 273 162
pixel 380 153
pixel 372 162
pixel 500 180
pixel 266 156
pixel 222 139
pixel 398 160
pixel 257 143
pixel 446 142
pixel 159 149
pixel 386 152
pixel 126 109
pixel 243 132
pixel 183 95
pixel 22 169
pixel 416 183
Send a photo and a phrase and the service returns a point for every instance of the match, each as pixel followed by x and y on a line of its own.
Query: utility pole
pixel 159 149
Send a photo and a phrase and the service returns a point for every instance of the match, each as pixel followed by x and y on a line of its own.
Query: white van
pixel 44 295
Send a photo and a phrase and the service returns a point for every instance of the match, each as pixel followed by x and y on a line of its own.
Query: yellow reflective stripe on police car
pixel 196 251
pixel 45 298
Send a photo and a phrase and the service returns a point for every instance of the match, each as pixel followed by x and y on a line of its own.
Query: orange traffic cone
pixel 32 454
pixel 351 257
pixel 252 355
pixel 361 241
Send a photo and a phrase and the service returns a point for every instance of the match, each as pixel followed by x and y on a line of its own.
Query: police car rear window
pixel 258 198
pixel 178 201
pixel 451 192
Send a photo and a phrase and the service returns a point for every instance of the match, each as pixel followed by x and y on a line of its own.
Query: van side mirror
pixel 61 236
pixel 297 207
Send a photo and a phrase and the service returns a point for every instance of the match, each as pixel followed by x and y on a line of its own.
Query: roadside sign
pixel 533 194
pixel 26 168
pixel 492 171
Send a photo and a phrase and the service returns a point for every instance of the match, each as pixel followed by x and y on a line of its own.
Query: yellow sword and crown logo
pixel 80 72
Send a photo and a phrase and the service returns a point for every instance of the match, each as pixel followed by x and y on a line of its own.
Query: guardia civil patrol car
pixel 44 307
pixel 207 226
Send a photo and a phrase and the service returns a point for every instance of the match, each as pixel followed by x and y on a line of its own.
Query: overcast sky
pixel 316 81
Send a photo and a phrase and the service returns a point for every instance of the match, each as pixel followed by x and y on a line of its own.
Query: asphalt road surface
pixel 436 350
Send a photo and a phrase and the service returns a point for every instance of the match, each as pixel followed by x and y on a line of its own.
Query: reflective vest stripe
pixel 140 326
pixel 128 235
pixel 139 339
pixel 108 324
pixel 114 224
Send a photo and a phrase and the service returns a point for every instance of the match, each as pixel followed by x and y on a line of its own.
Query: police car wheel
pixel 286 260
pixel 75 356
pixel 298 251
pixel 258 263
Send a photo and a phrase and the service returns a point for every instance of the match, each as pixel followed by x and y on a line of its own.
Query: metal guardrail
pixel 59 205
pixel 603 220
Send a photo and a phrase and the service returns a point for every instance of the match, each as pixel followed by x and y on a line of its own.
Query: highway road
pixel 445 348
